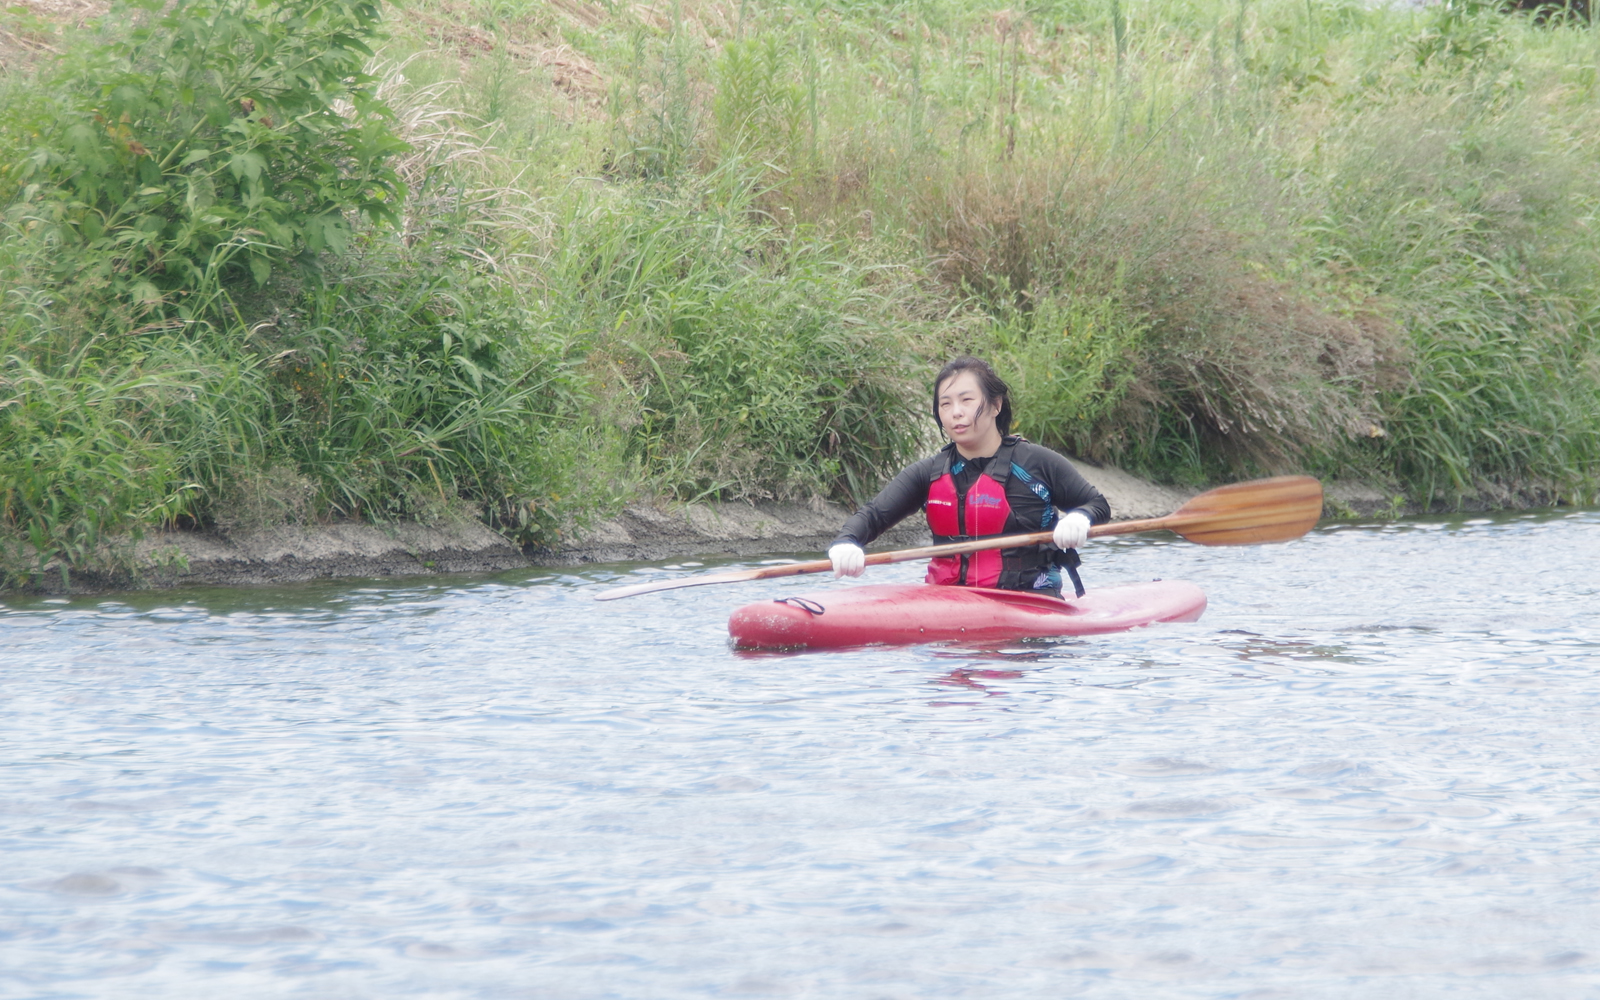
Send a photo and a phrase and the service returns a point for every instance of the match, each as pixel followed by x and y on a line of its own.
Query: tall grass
pixel 1324 233
pixel 733 358
pixel 1351 238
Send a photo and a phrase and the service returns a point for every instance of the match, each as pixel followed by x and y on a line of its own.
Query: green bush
pixel 203 142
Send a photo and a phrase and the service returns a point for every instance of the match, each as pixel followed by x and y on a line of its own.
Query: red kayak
pixel 904 614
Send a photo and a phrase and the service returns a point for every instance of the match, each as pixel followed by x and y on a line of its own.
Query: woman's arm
pixel 897 501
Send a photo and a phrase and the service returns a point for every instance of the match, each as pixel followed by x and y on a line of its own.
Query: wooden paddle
pixel 1280 509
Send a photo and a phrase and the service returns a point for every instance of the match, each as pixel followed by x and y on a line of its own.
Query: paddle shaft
pixel 898 555
pixel 1264 510
pixel 1003 542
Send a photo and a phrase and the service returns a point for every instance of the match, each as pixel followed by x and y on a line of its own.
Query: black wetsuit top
pixel 908 491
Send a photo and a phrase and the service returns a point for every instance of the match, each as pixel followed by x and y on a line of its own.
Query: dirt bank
pixel 638 534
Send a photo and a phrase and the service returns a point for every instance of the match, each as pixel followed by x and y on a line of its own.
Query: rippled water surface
pixel 1370 771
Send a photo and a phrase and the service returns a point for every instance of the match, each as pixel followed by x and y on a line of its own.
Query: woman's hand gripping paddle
pixel 1280 509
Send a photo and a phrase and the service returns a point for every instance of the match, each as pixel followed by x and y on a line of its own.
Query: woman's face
pixel 964 412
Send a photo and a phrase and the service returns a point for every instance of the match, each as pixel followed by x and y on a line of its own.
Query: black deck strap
pixel 815 608
pixel 1077 581
pixel 1069 560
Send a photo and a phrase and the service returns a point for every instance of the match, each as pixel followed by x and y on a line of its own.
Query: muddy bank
pixel 638 534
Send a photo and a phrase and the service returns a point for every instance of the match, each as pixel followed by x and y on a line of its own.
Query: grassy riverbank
pixel 714 249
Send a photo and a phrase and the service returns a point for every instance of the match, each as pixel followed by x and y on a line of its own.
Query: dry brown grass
pixel 534 47
pixel 30 30
pixel 75 12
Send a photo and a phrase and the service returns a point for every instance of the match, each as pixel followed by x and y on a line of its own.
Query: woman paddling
pixel 986 482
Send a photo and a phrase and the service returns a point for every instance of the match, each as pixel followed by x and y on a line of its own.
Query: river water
pixel 1370 770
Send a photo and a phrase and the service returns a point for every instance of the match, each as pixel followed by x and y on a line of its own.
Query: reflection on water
pixel 1370 771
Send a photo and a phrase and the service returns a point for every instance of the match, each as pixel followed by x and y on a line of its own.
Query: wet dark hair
pixel 995 392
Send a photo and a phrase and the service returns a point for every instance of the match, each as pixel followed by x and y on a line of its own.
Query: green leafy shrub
pixel 204 142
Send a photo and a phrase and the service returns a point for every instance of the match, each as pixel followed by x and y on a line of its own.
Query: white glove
pixel 848 560
pixel 1071 531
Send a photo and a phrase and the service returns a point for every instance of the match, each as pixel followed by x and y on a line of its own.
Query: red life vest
pixel 981 513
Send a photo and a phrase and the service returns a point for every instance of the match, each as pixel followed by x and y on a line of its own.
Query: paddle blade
pixel 1280 509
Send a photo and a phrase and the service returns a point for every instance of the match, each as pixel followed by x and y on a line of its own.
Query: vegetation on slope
pixel 523 260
